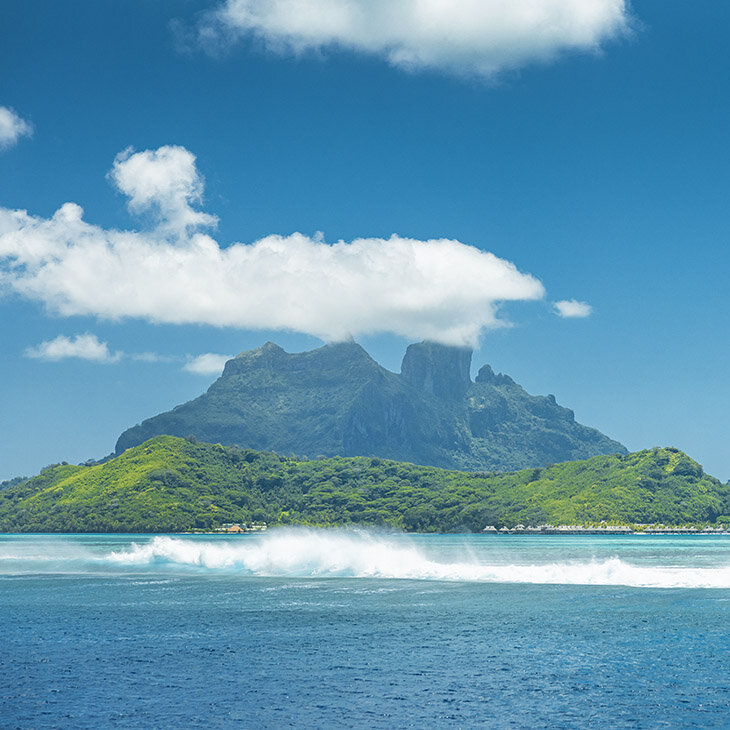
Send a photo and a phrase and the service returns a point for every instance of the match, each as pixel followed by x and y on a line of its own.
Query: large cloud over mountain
pixel 441 289
pixel 468 37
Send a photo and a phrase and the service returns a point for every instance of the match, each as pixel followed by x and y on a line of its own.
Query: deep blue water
pixel 323 629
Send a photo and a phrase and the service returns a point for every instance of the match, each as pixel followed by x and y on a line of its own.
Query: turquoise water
pixel 306 628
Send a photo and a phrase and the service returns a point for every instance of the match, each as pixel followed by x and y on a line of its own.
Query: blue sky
pixel 591 160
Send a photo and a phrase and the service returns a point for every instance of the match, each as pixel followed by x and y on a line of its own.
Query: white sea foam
pixel 302 553
pixel 305 553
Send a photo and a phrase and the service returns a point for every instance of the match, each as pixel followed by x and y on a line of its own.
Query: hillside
pixel 337 401
pixel 172 484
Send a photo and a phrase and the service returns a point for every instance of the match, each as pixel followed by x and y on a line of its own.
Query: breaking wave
pixel 323 553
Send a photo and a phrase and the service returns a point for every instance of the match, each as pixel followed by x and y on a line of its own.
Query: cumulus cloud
pixel 207 364
pixel 469 37
pixel 441 290
pixel 572 308
pixel 83 347
pixel 12 127
pixel 164 182
pixel 89 347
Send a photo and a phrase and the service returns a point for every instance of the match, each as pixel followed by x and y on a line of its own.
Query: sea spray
pixel 293 553
pixel 302 553
pixel 315 553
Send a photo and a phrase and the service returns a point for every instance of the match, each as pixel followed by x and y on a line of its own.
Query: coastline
pixel 606 530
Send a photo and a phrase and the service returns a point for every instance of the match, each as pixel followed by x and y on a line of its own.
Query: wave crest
pixel 360 555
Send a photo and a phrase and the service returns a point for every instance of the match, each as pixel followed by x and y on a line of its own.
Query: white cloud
pixel 207 364
pixel 165 182
pixel 152 357
pixel 89 347
pixel 441 290
pixel 84 347
pixel 12 127
pixel 470 37
pixel 572 308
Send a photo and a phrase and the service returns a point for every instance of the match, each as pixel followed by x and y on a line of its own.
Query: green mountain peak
pixel 337 401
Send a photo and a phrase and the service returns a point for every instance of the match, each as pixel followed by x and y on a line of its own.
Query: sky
pixel 180 181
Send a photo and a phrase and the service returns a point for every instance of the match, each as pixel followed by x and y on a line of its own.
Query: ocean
pixel 349 629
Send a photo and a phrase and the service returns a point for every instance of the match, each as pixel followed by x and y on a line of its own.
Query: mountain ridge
pixel 337 400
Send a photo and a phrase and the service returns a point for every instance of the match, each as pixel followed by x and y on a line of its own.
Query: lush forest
pixel 170 484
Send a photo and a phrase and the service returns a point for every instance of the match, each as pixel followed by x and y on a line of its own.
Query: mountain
pixel 170 484
pixel 337 401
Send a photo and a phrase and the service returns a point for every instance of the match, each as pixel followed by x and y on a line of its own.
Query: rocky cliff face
pixel 438 370
pixel 337 400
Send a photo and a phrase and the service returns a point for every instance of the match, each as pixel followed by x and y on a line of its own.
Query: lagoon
pixel 323 628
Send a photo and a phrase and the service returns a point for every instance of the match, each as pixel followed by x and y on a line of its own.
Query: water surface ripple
pixel 307 628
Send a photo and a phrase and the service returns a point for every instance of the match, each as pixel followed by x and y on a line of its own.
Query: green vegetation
pixel 11 482
pixel 170 484
pixel 337 401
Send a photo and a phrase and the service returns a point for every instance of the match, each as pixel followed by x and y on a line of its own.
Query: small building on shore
pixel 234 528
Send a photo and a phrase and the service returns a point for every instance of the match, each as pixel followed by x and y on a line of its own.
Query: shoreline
pixel 547 530
pixel 607 530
